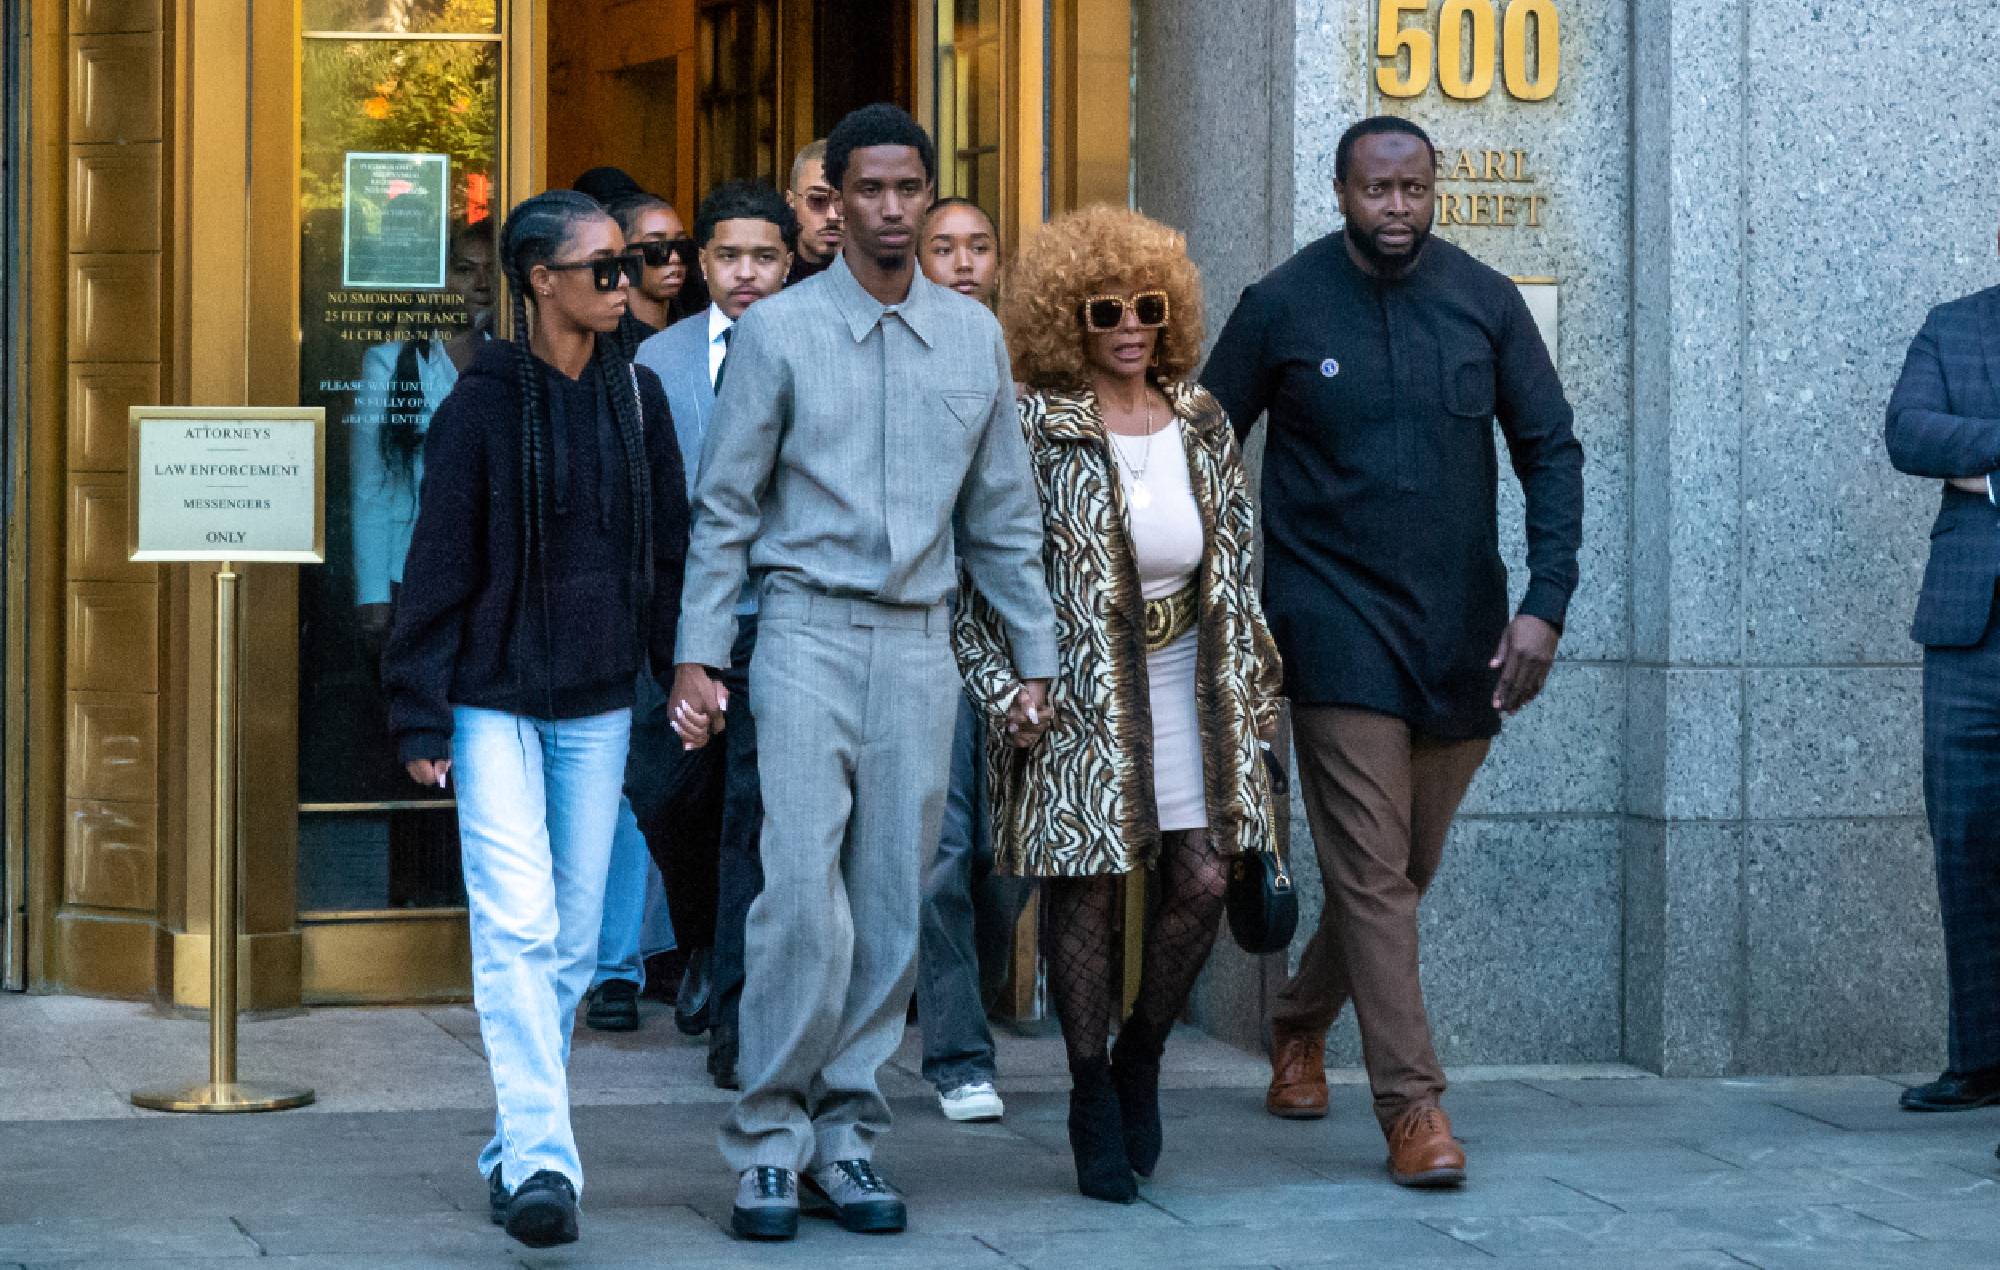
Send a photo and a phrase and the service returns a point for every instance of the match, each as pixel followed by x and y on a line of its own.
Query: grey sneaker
pixel 767 1204
pixel 860 1199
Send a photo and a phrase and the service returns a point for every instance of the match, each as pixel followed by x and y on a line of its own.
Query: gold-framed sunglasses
pixel 607 273
pixel 1101 313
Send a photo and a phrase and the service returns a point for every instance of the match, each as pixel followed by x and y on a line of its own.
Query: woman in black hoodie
pixel 545 564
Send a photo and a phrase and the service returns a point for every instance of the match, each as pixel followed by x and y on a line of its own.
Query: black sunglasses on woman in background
pixel 607 273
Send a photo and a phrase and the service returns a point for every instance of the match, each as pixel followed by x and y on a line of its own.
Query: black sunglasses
pixel 1102 313
pixel 662 251
pixel 607 273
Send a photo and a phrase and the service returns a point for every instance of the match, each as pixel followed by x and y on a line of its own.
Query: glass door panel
pixel 402 17
pixel 736 92
pixel 398 208
pixel 971 57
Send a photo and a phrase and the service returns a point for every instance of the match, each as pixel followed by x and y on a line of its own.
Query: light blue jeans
pixel 537 808
pixel 636 924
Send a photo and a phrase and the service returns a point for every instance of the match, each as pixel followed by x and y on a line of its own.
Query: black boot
pixel 1096 1138
pixel 1135 1070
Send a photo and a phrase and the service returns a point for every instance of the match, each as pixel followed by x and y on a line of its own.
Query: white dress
pixel 1164 524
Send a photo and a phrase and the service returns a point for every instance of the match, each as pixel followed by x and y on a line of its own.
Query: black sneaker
pixel 860 1199
pixel 612 1006
pixel 542 1211
pixel 767 1204
pixel 497 1196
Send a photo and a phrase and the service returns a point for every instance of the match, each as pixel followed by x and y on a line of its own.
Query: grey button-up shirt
pixel 854 446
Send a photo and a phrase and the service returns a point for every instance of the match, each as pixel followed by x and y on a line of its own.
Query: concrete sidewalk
pixel 1570 1167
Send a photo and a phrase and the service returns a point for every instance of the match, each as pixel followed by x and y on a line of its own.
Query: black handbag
pixel 1263 909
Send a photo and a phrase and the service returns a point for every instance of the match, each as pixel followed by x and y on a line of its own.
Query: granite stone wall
pixel 1702 851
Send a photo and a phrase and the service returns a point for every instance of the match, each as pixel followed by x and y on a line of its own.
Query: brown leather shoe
pixel 1298 1074
pixel 1422 1151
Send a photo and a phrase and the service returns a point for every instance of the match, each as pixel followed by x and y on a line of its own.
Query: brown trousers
pixel 1380 801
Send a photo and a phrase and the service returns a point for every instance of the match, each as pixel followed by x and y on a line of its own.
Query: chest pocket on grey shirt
pixel 1469 384
pixel 969 408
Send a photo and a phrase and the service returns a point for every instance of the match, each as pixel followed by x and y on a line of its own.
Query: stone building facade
pixel 1704 850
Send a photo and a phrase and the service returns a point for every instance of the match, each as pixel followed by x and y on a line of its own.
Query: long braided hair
pixel 535 234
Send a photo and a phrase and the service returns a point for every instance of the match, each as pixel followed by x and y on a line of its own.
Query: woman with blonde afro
pixel 1168 682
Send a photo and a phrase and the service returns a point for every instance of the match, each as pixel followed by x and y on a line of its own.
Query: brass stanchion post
pixel 222 1092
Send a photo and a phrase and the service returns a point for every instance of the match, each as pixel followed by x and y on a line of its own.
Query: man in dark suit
pixel 1944 422
pixel 708 799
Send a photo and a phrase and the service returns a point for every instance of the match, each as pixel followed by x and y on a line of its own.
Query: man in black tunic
pixel 1383 358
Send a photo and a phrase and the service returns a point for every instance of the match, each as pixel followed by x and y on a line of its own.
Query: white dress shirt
pixel 718 348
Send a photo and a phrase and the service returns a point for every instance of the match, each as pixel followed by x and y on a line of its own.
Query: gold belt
pixel 1170 618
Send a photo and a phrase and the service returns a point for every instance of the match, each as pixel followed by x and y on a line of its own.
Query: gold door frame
pixel 13 767
pixel 217 220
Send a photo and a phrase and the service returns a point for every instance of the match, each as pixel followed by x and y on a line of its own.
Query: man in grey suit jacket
pixel 1944 422
pixel 744 235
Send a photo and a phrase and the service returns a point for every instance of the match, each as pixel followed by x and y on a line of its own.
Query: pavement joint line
pixel 1152 1203
pixel 1689 1146
pixel 251 1239
pixel 1616 1207
pixel 1883 1221
pixel 981 1241
pixel 1969 1171
pixel 1546 1093
pixel 1810 1116
pixel 1431 1223
pixel 462 1042
pixel 1884 1224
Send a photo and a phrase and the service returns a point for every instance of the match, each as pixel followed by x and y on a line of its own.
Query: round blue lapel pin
pixel 1329 368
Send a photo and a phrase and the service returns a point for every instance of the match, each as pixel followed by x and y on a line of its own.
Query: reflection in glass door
pixel 970 60
pixel 398 206
pixel 736 92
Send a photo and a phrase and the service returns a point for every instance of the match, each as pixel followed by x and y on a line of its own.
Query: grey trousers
pixel 855 704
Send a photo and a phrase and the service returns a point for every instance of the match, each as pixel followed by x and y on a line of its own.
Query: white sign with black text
pixel 228 483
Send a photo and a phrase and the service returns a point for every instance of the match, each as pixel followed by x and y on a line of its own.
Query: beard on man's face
pixel 1371 250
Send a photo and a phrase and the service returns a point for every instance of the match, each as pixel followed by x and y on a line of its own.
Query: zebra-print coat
pixel 1080 802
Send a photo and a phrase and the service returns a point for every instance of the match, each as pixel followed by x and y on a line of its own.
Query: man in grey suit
pixel 1944 422
pixel 744 235
pixel 864 446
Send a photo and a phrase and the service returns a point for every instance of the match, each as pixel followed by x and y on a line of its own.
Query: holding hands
pixel 429 771
pixel 696 705
pixel 1030 714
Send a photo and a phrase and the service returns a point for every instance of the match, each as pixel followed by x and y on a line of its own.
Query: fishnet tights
pixel 1079 940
